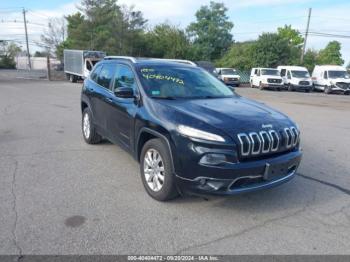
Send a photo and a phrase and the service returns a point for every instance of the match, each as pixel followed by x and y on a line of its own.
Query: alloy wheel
pixel 153 167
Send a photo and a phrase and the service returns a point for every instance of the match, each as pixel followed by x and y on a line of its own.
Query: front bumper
pixel 337 89
pixel 243 177
pixel 232 82
pixel 273 86
pixel 302 87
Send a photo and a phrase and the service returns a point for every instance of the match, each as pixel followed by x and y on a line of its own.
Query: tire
pixel 90 136
pixel 164 190
pixel 73 78
pixel 290 88
pixel 251 84
pixel 260 86
pixel 327 89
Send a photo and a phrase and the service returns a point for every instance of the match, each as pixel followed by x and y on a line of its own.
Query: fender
pixel 159 135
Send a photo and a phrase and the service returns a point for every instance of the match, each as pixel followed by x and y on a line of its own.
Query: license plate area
pixel 274 171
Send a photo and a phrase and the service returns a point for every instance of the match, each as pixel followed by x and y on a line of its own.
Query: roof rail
pixel 177 61
pixel 132 59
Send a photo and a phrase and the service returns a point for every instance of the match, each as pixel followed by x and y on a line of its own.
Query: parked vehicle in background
pixel 266 78
pixel 189 131
pixel 79 63
pixel 296 78
pixel 229 76
pixel 208 66
pixel 331 79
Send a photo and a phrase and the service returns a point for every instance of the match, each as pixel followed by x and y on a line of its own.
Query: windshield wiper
pixel 164 97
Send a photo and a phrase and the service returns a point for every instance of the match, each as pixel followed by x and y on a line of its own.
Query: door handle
pixel 109 100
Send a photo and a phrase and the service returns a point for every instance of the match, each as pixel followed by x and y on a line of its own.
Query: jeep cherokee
pixel 189 131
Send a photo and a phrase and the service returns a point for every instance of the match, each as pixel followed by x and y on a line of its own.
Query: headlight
pixel 196 133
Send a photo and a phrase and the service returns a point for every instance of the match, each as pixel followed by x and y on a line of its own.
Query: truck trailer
pixel 79 63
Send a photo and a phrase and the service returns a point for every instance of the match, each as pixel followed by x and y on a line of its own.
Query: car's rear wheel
pixel 89 131
pixel 156 171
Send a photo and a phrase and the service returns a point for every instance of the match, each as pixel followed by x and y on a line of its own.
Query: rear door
pixel 103 95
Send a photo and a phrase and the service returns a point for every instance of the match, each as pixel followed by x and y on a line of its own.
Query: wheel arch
pixel 145 135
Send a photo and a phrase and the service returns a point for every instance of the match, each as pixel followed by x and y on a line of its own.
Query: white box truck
pixel 331 79
pixel 79 63
pixel 296 78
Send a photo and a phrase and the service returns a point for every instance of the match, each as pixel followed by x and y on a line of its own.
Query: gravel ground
pixel 59 195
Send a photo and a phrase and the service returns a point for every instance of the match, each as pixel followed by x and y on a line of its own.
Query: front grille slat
pixel 264 142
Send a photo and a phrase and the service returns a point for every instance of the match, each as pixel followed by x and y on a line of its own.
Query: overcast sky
pixel 250 17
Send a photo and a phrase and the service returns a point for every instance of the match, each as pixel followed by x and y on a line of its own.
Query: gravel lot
pixel 59 195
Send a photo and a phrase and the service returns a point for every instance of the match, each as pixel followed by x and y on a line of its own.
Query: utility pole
pixel 25 30
pixel 305 38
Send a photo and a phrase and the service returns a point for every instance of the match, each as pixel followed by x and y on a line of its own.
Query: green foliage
pixel 292 35
pixel 239 56
pixel 167 41
pixel 310 59
pixel 211 32
pixel 8 52
pixel 331 54
pixel 271 50
pixel 104 25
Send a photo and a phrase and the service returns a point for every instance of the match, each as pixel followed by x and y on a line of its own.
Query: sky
pixel 250 17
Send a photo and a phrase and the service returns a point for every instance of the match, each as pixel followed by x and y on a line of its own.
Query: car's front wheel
pixel 89 131
pixel 156 170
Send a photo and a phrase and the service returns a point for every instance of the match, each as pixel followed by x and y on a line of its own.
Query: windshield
pixel 181 82
pixel 270 72
pixel 228 71
pixel 337 74
pixel 300 74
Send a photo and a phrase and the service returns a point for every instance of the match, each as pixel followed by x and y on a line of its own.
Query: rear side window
pixel 124 78
pixel 95 72
pixel 106 75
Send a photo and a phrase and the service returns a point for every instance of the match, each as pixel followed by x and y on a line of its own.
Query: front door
pixel 121 113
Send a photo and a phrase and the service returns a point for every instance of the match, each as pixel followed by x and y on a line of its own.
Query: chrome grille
pixel 343 85
pixel 265 142
pixel 273 80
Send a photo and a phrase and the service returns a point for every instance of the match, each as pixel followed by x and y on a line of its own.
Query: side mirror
pixel 124 92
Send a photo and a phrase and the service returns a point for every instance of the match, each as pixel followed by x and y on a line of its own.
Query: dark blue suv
pixel 190 132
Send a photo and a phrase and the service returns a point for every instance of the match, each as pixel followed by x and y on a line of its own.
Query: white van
pixel 296 78
pixel 266 78
pixel 331 78
pixel 229 76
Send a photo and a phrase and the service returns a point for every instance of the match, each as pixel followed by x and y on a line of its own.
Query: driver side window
pixel 124 78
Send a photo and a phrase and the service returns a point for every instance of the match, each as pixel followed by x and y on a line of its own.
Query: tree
pixel 8 52
pixel 104 25
pixel 271 50
pixel 54 35
pixel 211 32
pixel 310 59
pixel 331 54
pixel 239 56
pixel 168 41
pixel 292 35
pixel 295 41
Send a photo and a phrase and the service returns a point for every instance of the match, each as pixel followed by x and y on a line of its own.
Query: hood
pixel 230 115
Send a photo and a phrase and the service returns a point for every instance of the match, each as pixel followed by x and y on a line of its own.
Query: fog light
pixel 213 159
